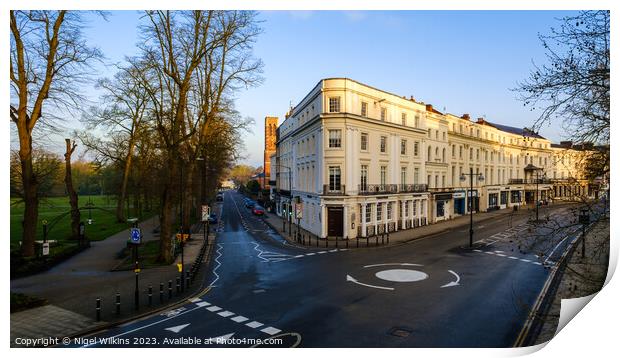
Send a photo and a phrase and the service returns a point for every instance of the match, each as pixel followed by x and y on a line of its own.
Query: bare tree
pixel 573 86
pixel 122 115
pixel 49 60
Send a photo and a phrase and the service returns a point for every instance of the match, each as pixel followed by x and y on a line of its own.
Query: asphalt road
pixel 432 292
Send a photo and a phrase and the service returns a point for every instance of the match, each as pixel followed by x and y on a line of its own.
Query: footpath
pixel 581 276
pixel 72 287
pixel 403 236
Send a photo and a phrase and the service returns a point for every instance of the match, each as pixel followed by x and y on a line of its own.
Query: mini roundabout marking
pixel 400 273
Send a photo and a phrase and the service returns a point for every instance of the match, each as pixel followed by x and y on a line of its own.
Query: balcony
pixel 333 189
pixel 530 181
pixel 378 189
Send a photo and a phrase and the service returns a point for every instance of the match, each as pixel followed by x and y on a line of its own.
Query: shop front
pixel 459 202
pixel 442 206
pixel 473 201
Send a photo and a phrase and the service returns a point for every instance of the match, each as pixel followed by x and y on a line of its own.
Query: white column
pixel 363 220
pixel 323 221
pixel 348 154
pixel 402 208
pixel 345 220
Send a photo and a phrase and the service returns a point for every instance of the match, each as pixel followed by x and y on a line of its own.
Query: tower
pixel 271 123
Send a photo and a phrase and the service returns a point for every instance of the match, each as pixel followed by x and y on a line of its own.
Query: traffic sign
pixel 46 248
pixel 206 211
pixel 299 210
pixel 136 235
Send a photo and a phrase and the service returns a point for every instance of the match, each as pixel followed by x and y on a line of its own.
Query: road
pixel 432 292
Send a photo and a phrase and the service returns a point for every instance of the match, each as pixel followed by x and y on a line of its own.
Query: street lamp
pixel 479 177
pixel 290 199
pixel 538 177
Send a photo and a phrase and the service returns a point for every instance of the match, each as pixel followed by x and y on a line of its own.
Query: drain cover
pixel 401 332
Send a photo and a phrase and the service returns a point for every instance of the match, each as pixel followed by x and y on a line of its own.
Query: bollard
pixel 317 241
pixel 347 242
pixel 98 309
pixel 118 303
pixel 187 279
pixel 388 239
pixel 161 292
pixel 382 238
pixel 150 295
pixel 178 285
pixel 377 240
pixel 325 242
pixel 367 238
pixel 169 289
pixel 357 242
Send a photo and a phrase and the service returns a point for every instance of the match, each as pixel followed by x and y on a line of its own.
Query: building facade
pixel 271 125
pixel 356 161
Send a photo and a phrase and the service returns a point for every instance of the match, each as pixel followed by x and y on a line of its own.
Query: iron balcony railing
pixel 530 181
pixel 333 189
pixel 372 189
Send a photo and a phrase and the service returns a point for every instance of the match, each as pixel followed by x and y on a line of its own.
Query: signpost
pixel 135 239
pixel 206 211
pixel 46 248
pixel 135 236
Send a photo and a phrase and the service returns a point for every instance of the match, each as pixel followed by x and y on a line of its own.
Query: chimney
pixel 480 120
pixel 465 116
pixel 411 99
pixel 429 107
pixel 566 143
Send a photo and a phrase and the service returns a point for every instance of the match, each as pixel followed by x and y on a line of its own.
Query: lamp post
pixel 479 177
pixel 182 227
pixel 538 177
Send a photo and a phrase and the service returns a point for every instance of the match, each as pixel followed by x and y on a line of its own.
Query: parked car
pixel 219 197
pixel 258 210
pixel 250 204
pixel 212 219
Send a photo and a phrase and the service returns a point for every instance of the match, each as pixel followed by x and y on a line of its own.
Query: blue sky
pixel 460 61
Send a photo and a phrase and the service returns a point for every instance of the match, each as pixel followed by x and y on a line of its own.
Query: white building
pixel 361 161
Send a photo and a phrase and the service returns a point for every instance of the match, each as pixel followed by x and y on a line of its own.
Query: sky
pixel 459 61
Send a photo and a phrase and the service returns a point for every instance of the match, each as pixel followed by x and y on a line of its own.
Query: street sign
pixel 206 211
pixel 46 248
pixel 183 237
pixel 136 235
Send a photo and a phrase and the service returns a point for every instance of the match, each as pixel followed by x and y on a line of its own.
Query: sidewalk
pixel 401 236
pixel 72 287
pixel 581 276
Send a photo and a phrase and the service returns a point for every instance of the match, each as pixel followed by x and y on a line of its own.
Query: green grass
pixel 147 253
pixel 104 221
pixel 20 302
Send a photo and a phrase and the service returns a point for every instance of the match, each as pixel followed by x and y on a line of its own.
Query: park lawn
pixel 104 220
pixel 148 253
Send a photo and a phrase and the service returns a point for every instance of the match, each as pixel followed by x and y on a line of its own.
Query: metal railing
pixel 530 181
pixel 329 189
pixel 371 189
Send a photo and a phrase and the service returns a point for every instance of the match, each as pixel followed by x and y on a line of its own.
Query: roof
pixel 514 130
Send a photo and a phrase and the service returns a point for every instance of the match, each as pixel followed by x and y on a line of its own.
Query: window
pixel 416 147
pixel 364 177
pixel 428 157
pixel 417 121
pixel 460 152
pixel 383 174
pixel 416 175
pixel 334 104
pixel 335 138
pixel 334 178
pixel 403 119
pixel 383 114
pixel 364 141
pixel 364 109
pixel 403 175
pixel 379 211
pixel 389 211
pixel 403 146
pixel 436 133
pixel 368 212
pixel 407 209
pixel 453 150
pixel 443 134
pixel 383 144
pixel 471 153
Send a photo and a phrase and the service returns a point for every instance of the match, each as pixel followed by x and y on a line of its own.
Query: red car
pixel 257 210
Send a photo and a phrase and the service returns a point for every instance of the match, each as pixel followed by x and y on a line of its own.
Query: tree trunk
pixel 73 198
pixel 167 213
pixel 31 199
pixel 120 216
pixel 188 200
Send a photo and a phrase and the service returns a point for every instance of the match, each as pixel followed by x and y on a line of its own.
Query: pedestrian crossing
pixel 506 234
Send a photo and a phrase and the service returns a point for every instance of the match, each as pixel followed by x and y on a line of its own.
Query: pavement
pixel 431 292
pixel 582 276
pixel 72 287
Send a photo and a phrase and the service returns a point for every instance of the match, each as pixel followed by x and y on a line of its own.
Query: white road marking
pixel 525 260
pixel 202 304
pixel 239 319
pixel 393 264
pixel 351 279
pixel 194 300
pixel 220 338
pixel 226 313
pixel 217 277
pixel 502 255
pixel 512 257
pixel 254 324
pixel 177 329
pixel 310 254
pixel 214 308
pixel 271 330
pixel 453 283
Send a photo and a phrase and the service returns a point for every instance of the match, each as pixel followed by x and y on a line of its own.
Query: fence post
pixel 169 289
pixel 150 295
pixel 161 292
pixel 98 309
pixel 118 304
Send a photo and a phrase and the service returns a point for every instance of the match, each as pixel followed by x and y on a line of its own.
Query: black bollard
pixel 161 292
pixel 388 239
pixel 187 279
pixel 178 285
pixel 118 303
pixel 367 238
pixel 169 289
pixel 377 240
pixel 150 295
pixel 98 309
pixel 357 242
